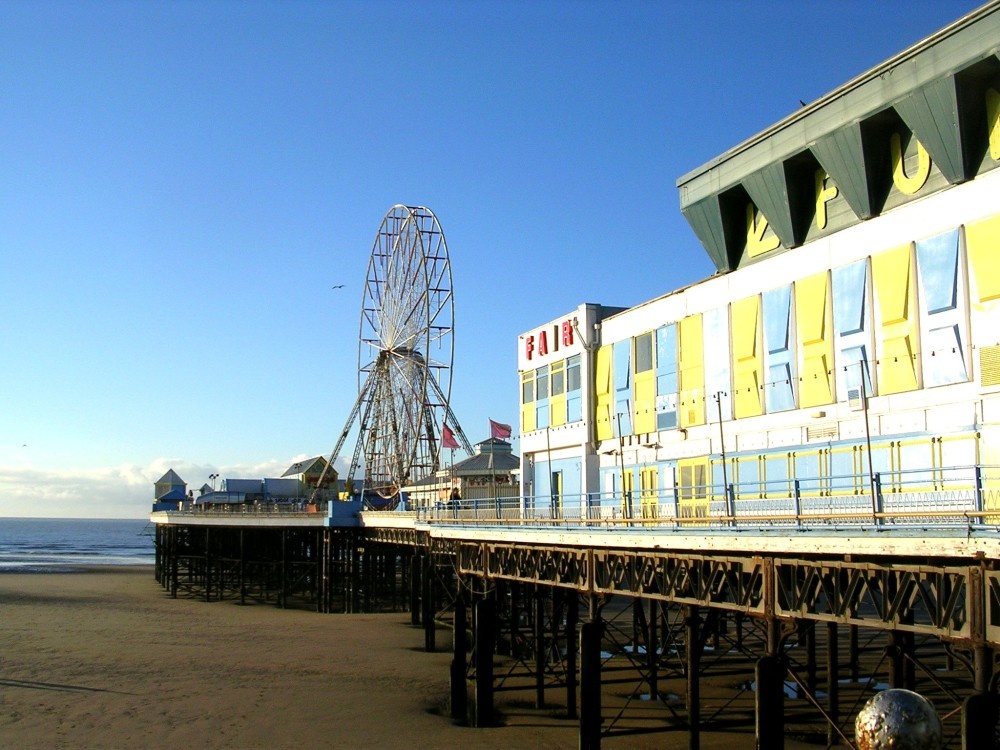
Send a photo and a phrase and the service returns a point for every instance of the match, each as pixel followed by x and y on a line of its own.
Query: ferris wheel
pixel 405 355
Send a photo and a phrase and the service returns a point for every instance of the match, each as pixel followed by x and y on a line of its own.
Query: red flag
pixel 499 430
pixel 448 438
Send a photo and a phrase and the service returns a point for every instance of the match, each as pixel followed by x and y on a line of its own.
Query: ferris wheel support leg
pixel 347 428
pixel 450 416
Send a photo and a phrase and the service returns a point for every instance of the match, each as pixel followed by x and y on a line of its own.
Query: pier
pixel 805 616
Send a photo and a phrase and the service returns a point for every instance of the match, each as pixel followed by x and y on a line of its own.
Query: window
pixel 557 397
pixel 623 387
pixel 542 398
pixel 942 291
pixel 557 378
pixel 542 383
pixel 779 355
pixel 528 387
pixel 644 352
pixel 666 377
pixel 527 401
pixel 852 329
pixel 574 404
pixel 573 373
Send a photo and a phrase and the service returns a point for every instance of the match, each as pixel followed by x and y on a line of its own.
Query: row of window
pixel 828 471
pixel 897 321
pixel 552 395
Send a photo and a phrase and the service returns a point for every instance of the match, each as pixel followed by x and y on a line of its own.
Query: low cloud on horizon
pixel 124 491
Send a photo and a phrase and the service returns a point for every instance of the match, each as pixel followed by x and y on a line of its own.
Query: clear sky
pixel 183 183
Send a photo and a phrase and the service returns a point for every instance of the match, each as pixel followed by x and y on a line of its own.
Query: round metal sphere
pixel 900 720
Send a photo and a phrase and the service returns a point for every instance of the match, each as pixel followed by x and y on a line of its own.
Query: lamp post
pixel 626 495
pixel 863 367
pixel 722 439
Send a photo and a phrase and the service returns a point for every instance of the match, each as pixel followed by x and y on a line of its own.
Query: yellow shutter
pixel 603 395
pixel 983 242
pixel 645 401
pixel 691 370
pixel 557 410
pixel 813 319
pixel 748 357
pixel 895 293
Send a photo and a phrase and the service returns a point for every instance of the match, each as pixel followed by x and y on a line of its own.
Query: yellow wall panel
pixel 528 418
pixel 989 455
pixel 691 370
pixel 557 410
pixel 645 402
pixel 748 357
pixel 895 295
pixel 814 321
pixel 983 243
pixel 603 395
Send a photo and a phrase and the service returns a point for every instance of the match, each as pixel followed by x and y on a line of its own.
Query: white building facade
pixel 849 346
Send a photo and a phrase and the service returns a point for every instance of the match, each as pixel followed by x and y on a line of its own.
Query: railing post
pixel 877 503
pixel 797 497
pixel 980 503
pixel 677 502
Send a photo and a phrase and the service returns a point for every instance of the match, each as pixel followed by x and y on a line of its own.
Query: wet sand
pixel 106 659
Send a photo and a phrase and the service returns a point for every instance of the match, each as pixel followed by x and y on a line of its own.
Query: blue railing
pixel 964 496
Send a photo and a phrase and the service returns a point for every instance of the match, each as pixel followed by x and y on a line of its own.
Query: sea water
pixel 34 545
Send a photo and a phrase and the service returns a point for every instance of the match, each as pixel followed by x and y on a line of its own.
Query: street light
pixel 865 376
pixel 722 450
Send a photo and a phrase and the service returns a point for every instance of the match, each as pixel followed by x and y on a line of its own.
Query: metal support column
pixel 591 634
pixel 572 616
pixel 692 643
pixel 653 650
pixel 485 614
pixel 980 710
pixel 539 641
pixel 416 562
pixel 459 689
pixel 428 604
pixel 832 684
pixel 770 697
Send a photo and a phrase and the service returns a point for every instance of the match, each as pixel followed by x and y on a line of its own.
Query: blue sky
pixel 184 182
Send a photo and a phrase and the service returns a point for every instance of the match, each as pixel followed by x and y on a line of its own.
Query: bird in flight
pixel 338 286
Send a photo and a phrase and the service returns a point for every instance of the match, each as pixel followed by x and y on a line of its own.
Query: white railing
pixel 944 497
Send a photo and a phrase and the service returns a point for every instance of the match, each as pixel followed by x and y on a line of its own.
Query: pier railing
pixel 964 496
pixel 263 509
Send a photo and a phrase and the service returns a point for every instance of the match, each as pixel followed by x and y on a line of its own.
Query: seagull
pixel 339 286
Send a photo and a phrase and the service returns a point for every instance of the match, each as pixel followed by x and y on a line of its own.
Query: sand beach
pixel 106 659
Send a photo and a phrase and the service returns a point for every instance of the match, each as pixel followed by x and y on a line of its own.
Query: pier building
pixel 852 328
pixel 787 472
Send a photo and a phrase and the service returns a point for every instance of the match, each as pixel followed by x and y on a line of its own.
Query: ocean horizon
pixel 65 545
